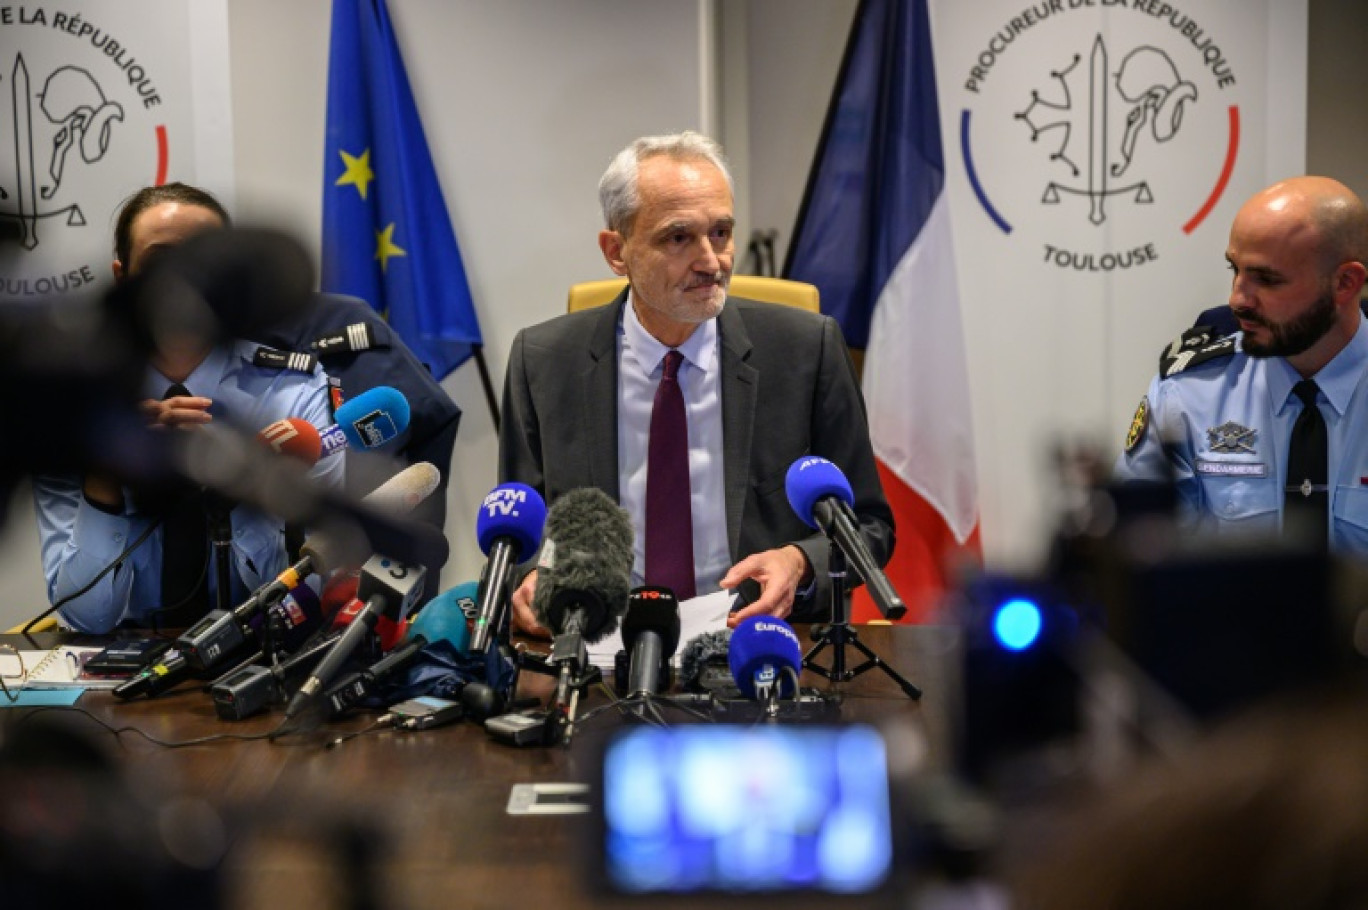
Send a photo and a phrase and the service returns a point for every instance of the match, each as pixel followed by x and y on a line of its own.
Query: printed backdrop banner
pixel 97 100
pixel 1096 152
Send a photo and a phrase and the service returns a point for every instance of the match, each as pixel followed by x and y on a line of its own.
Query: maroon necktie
pixel 669 517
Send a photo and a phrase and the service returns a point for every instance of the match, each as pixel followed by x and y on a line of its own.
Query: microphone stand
pixel 569 663
pixel 221 540
pixel 839 634
pixel 648 705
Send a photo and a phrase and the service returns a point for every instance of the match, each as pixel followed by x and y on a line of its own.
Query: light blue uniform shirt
pixel 79 540
pixel 1220 431
pixel 640 363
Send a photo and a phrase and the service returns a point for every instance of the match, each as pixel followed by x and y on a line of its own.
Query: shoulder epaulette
pixel 1197 345
pixel 272 359
pixel 358 336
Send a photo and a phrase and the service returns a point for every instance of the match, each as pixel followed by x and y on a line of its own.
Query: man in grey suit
pixel 762 385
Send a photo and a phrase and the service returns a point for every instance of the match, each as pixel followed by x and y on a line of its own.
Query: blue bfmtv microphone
pixel 761 653
pixel 821 496
pixel 368 421
pixel 509 529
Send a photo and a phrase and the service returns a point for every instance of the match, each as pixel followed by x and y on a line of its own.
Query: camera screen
pixel 746 809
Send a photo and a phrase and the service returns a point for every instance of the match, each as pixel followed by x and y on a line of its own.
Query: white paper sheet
pixel 706 613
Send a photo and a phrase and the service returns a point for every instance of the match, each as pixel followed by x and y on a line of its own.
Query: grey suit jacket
pixel 788 390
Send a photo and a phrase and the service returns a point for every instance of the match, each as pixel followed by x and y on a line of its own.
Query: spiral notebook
pixel 62 667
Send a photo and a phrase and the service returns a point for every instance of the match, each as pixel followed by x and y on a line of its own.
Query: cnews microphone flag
pixel 387 236
pixel 873 234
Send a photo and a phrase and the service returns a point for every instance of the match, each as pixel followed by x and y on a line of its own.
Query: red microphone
pixel 388 631
pixel 295 437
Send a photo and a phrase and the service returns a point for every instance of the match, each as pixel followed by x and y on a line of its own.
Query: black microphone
pixel 650 634
pixel 509 529
pixel 244 691
pixel 169 670
pixel 821 496
pixel 351 689
pixel 387 587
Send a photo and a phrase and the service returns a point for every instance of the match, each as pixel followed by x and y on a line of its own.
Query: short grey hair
pixel 618 194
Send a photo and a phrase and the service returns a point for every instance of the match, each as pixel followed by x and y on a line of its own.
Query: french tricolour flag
pixel 874 235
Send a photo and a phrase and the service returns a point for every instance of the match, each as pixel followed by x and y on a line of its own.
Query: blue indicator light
pixel 1017 624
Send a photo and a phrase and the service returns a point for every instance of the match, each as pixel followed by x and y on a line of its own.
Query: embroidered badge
pixel 283 360
pixel 1232 438
pixel 1231 468
pixel 1138 424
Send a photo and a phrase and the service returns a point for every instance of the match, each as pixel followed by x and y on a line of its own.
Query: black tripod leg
pixel 837 636
pixel 876 661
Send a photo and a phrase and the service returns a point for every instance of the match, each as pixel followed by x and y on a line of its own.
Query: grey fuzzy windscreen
pixel 585 564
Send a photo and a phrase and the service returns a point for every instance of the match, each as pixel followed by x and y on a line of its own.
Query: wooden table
pixel 425 811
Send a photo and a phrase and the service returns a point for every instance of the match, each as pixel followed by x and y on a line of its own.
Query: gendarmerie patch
pixel 1196 345
pixel 272 359
pixel 1139 423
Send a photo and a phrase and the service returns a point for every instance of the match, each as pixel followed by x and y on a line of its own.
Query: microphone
pixel 446 618
pixel 387 587
pixel 322 552
pixel 650 633
pixel 165 672
pixel 222 632
pixel 585 571
pixel 243 691
pixel 762 651
pixel 295 617
pixel 821 495
pixel 295 437
pixel 442 619
pixel 583 578
pixel 509 528
pixel 368 421
pixel 388 633
pixel 703 663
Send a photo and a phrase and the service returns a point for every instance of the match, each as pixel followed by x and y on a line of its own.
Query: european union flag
pixel 387 237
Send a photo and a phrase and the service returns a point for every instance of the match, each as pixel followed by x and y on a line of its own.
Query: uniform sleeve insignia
pixel 1197 345
pixel 356 337
pixel 271 359
pixel 1139 423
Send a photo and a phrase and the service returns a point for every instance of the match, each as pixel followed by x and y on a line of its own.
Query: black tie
pixel 185 554
pixel 1307 495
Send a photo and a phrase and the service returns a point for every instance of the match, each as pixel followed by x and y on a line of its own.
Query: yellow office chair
pixel 589 294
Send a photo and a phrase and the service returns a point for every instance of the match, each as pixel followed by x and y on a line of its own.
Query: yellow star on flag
pixel 385 247
pixel 358 172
